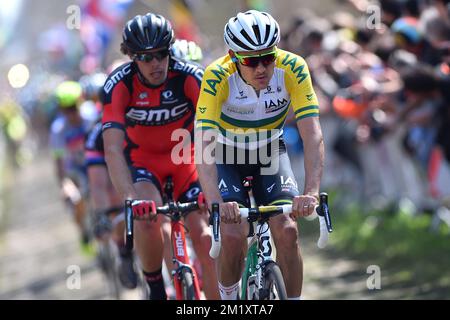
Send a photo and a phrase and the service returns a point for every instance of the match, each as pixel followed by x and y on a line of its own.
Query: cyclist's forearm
pixel 313 168
pixel 117 166
pixel 98 184
pixel 314 156
pixel 120 174
pixel 207 174
pixel 206 167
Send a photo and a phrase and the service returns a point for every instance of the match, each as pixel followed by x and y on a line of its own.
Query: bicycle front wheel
pixel 107 257
pixel 273 283
pixel 187 284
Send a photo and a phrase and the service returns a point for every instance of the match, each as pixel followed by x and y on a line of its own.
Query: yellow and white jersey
pixel 244 119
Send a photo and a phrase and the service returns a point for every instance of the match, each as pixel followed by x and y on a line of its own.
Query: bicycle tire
pixel 273 279
pixel 108 264
pixel 187 284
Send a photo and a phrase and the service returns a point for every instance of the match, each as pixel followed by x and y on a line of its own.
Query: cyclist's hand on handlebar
pixel 142 209
pixel 203 209
pixel 303 206
pixel 229 212
pixel 202 206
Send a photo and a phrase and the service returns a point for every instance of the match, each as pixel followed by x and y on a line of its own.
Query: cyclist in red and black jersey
pixel 145 101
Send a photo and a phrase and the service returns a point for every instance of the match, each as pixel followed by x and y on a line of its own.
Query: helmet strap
pixel 233 57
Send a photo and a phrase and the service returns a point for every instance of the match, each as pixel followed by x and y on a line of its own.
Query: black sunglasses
pixel 147 57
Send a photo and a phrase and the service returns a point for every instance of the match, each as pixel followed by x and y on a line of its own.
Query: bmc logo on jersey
pixel 156 116
pixel 189 68
pixel 116 77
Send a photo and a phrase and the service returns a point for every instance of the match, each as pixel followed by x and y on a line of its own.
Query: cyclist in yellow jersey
pixel 243 104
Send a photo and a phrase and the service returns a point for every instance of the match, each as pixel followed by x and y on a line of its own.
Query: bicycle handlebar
pixel 321 211
pixel 216 240
pixel 169 210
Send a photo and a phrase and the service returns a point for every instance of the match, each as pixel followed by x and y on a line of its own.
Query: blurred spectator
pixel 391 10
pixel 409 37
pixel 443 72
pixel 412 8
pixel 14 126
pixel 423 101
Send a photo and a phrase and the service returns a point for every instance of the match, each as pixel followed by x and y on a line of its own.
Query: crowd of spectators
pixel 382 75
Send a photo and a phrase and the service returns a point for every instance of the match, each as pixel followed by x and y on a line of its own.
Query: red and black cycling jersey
pixel 150 114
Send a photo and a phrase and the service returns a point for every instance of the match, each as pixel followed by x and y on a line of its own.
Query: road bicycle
pixel 184 276
pixel 108 254
pixel 262 278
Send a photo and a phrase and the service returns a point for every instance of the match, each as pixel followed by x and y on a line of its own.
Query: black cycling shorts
pixel 278 187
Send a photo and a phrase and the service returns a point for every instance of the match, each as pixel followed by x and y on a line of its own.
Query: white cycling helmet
pixel 251 30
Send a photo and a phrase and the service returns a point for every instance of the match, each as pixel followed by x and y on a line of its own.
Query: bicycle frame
pixel 258 254
pixel 181 258
pixel 176 212
pixel 179 249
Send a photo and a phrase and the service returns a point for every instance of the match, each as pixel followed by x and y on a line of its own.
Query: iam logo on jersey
pixel 288 183
pixel 272 106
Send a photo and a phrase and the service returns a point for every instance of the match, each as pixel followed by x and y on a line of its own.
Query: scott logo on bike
pixel 265 246
pixel 156 116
